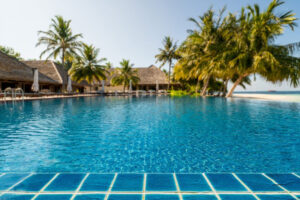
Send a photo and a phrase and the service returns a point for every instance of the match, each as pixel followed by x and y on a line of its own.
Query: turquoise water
pixel 150 134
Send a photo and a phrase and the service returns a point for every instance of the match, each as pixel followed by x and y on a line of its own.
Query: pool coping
pixel 145 192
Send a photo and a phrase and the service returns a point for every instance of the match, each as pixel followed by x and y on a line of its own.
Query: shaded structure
pixel 150 77
pixel 16 74
pixel 57 73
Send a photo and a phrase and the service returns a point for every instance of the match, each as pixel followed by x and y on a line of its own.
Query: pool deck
pixel 225 186
pixel 39 96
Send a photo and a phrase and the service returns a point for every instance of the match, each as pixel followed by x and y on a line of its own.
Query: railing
pixel 13 92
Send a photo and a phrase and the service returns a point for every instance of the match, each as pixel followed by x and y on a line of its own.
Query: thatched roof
pixel 148 76
pixel 53 70
pixel 14 70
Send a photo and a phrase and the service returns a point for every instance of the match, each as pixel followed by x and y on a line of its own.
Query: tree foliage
pixel 234 47
pixel 167 54
pixel 87 66
pixel 59 40
pixel 11 52
pixel 124 74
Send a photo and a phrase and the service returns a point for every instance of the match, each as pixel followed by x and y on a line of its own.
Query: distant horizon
pixel 129 29
pixel 269 91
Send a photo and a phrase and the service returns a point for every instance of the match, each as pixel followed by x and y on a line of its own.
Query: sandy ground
pixel 273 97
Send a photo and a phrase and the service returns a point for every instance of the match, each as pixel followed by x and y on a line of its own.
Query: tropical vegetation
pixel 167 54
pixel 233 48
pixel 11 52
pixel 59 40
pixel 218 51
pixel 88 67
pixel 125 74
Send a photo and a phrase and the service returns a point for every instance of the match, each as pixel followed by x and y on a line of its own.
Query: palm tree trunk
pixel 63 65
pixel 169 75
pixel 197 86
pixel 124 88
pixel 205 86
pixel 225 87
pixel 236 83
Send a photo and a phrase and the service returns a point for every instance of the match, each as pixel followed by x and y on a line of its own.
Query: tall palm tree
pixel 87 66
pixel 167 54
pixel 255 51
pixel 125 74
pixel 59 40
pixel 202 50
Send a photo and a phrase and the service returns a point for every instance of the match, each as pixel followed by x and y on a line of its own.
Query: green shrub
pixel 178 93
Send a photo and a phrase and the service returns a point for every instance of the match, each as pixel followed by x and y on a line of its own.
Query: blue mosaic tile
pixel 258 183
pixel 97 182
pixel 225 182
pixel 129 182
pixel 192 182
pixel 276 197
pixel 162 197
pixel 34 183
pixel 90 197
pixel 65 182
pixel 8 180
pixel 54 197
pixel 237 197
pixel 16 197
pixel 199 197
pixel 125 197
pixel 160 182
pixel 288 181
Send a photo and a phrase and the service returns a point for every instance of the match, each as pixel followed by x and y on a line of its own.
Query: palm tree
pixel 235 47
pixel 109 65
pixel 201 53
pixel 87 66
pixel 167 54
pixel 59 40
pixel 125 74
pixel 255 51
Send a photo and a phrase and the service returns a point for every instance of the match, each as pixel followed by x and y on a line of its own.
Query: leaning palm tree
pixel 255 51
pixel 125 74
pixel 87 66
pixel 59 40
pixel 167 54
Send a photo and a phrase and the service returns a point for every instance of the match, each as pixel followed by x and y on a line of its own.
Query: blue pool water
pixel 150 134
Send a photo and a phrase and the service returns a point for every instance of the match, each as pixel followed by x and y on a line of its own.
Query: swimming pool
pixel 150 134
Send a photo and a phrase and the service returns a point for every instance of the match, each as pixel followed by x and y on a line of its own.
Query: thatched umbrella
pixel 35 86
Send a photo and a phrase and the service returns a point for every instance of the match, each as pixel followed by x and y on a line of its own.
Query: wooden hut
pixel 149 77
pixel 57 73
pixel 16 74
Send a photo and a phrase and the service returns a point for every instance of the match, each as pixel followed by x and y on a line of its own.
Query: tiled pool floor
pixel 62 186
